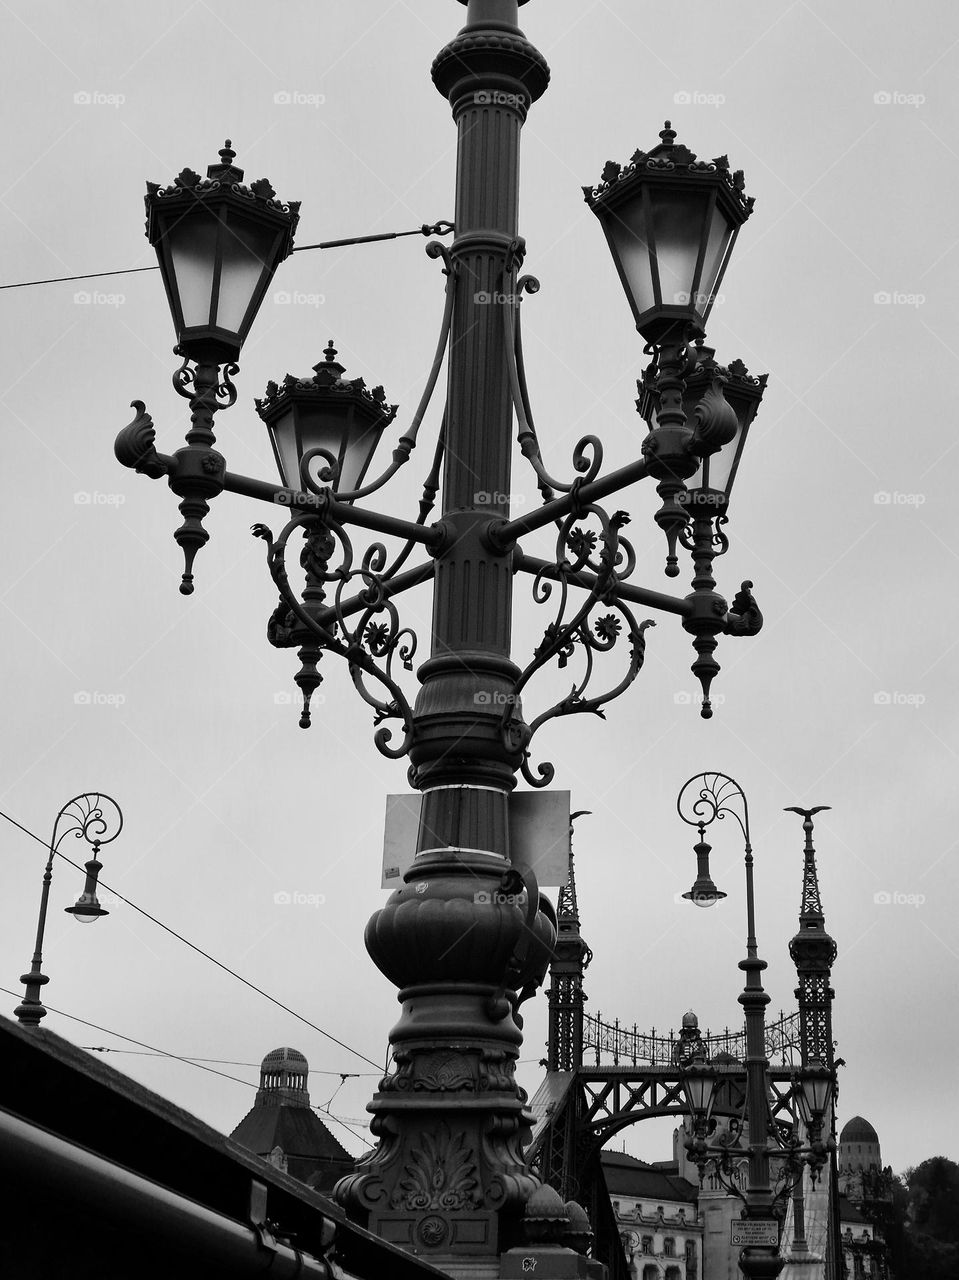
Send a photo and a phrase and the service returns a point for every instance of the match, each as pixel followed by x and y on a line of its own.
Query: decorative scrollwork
pixel 226 391
pixel 93 817
pixel 711 796
pixel 588 454
pixel 183 377
pixel 607 558
pixel 371 640
pixel 692 538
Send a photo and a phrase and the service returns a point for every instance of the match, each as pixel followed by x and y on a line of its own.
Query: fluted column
pixel 460 938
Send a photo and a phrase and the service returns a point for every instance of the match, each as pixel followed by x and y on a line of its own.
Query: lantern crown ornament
pixel 218 243
pixel 671 222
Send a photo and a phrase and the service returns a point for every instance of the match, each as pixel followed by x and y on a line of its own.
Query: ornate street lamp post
pixel 467 937
pixel 95 818
pixel 703 799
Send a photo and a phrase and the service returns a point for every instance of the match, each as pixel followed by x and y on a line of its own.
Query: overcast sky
pixel 843 288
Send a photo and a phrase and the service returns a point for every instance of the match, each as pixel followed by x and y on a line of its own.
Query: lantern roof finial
pixel 225 170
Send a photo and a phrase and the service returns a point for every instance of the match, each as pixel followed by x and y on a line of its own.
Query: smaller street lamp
pixel 326 417
pixel 93 817
pixel 721 401
pixel 714 796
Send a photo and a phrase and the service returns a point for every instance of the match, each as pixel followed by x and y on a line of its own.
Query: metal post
pixel 92 817
pixel 757 1262
pixel 450 1118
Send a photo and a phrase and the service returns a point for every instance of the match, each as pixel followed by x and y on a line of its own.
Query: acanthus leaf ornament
pixel 442 1173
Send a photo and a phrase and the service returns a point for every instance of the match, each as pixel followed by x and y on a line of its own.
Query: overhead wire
pixel 176 1057
pixel 437 228
pixel 198 949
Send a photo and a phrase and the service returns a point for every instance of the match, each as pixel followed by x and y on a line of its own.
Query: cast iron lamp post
pixel 467 938
pixel 95 818
pixel 703 799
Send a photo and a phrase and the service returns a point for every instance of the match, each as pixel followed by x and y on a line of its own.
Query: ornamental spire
pixel 810 909
pixel 567 908
pixel 813 952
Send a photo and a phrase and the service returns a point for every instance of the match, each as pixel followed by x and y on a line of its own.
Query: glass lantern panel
pixel 357 452
pixel 285 446
pixel 626 228
pixel 192 245
pixel 718 469
pixel 679 218
pixel 718 243
pixel 246 252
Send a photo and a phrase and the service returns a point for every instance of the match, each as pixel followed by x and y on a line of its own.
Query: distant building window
pixel 690 1260
pixel 647 1245
pixel 669 1247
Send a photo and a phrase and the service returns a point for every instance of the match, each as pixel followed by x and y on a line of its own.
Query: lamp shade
pixel 218 243
pixel 671 221
pixel 699 1084
pixel 86 909
pixel 703 893
pixel 720 403
pixel 814 1093
pixel 326 412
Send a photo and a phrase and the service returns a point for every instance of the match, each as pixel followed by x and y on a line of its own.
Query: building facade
pixel 660 1226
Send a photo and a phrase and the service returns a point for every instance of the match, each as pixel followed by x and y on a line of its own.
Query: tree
pixel 923 1231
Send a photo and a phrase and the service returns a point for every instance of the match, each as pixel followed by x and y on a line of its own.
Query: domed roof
pixel 858 1130
pixel 690 1020
pixel 285 1057
pixel 724 1059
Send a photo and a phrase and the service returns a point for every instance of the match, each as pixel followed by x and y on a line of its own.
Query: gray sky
pixel 842 287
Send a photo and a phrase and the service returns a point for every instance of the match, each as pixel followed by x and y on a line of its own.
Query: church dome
pixel 278 1058
pixel 858 1130
pixel 283 1078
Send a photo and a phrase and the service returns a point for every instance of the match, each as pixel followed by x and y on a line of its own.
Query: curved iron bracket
pixel 370 641
pixel 611 558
